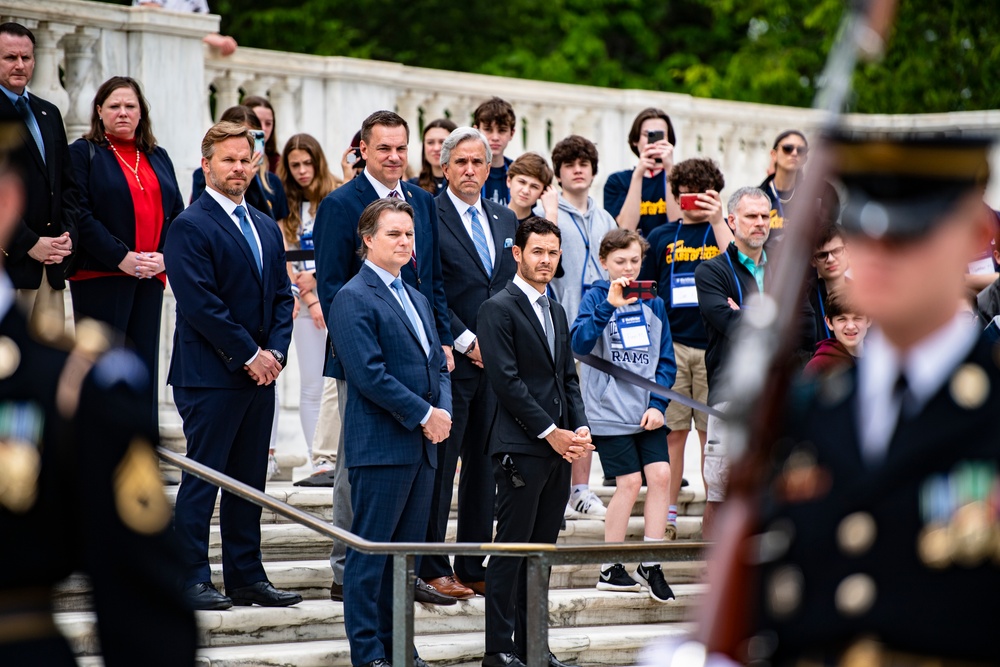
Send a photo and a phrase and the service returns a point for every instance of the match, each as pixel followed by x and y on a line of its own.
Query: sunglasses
pixel 835 253
pixel 788 149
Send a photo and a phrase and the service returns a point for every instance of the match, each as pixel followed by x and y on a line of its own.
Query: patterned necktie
pixel 479 238
pixel 22 108
pixel 550 335
pixel 393 195
pixel 397 285
pixel 241 213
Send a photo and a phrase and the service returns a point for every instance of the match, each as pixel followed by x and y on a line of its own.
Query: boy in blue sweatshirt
pixel 626 421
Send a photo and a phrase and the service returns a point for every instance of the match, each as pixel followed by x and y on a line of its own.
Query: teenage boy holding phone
pixel 639 198
pixel 678 248
pixel 626 422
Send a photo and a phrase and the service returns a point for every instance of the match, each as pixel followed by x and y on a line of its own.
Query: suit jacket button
pixel 555 401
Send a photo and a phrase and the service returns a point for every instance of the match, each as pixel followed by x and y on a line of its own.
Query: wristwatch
pixel 278 356
pixel 472 346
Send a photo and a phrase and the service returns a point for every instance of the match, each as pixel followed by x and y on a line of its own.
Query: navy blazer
pixel 335 236
pixel 51 200
pixel 466 284
pixel 226 309
pixel 391 383
pixel 107 221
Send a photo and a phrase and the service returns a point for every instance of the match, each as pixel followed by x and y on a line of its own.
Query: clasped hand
pixel 438 427
pixel 570 445
pixel 142 264
pixel 264 369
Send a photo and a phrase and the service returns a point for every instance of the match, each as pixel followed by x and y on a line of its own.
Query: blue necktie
pixel 241 213
pixel 397 285
pixel 479 238
pixel 22 108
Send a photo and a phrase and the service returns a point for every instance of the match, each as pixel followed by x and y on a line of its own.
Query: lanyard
pixel 483 192
pixel 588 259
pixel 739 289
pixel 673 259
pixel 777 201
pixel 822 309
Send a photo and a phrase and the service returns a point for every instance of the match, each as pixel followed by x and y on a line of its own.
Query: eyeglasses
pixel 788 149
pixel 835 253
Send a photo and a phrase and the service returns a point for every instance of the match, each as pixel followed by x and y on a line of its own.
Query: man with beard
pixel 226 263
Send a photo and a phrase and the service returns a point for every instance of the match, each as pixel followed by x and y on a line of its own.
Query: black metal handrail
pixel 540 559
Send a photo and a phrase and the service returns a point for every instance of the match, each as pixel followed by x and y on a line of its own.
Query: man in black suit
pixel 476 261
pixel 46 234
pixel 882 492
pixel 539 427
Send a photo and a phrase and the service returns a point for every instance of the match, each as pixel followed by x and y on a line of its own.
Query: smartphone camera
pixel 652 136
pixel 258 141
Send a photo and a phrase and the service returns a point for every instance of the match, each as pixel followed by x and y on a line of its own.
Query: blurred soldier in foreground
pixel 80 488
pixel 880 535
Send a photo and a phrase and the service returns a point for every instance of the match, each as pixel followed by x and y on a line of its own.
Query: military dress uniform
pixel 80 490
pixel 879 538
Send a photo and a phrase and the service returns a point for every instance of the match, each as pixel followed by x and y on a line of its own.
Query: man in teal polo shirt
pixel 725 283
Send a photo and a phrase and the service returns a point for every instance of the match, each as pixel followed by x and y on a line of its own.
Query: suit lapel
pixel 529 312
pixel 452 220
pixel 498 238
pixel 49 139
pixel 383 292
pixel 217 214
pixel 26 133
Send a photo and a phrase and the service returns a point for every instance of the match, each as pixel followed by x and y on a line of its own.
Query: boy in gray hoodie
pixel 626 421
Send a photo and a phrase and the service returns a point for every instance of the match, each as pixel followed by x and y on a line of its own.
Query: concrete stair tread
pixel 582 645
pixel 323 620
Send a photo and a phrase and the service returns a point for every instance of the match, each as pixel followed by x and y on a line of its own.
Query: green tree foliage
pixel 943 56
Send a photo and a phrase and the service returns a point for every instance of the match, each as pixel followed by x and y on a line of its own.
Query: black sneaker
pixel 653 580
pixel 615 578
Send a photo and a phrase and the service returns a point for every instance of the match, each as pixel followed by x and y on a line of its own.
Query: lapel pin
pixel 508 242
pixel 44 113
pixel 495 217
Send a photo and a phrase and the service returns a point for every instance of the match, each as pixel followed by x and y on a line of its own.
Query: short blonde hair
pixel 220 132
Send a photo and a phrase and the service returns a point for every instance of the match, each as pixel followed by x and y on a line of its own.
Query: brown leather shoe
pixel 478 586
pixel 449 585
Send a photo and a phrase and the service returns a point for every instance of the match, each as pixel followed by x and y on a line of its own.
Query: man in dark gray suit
pixel 476 237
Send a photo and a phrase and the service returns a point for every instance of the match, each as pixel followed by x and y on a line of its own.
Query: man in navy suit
pixel 384 139
pixel 47 234
pixel 226 263
pixel 398 408
pixel 476 240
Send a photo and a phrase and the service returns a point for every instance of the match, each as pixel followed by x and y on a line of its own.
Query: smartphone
pixel 652 136
pixel 258 141
pixel 643 289
pixel 689 202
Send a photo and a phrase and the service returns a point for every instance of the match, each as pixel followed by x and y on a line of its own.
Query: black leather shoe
pixel 337 592
pixel 205 596
pixel 264 594
pixel 502 660
pixel 427 594
pixel 419 662
pixel 324 478
pixel 553 661
pixel 381 662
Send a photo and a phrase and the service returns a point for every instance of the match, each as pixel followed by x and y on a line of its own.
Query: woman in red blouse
pixel 128 196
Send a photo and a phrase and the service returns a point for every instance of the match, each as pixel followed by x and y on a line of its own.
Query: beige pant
pixel 44 306
pixel 327 438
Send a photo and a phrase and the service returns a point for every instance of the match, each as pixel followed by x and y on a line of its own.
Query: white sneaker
pixel 272 467
pixel 586 506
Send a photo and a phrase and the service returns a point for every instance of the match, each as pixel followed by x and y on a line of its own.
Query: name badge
pixel 981 266
pixel 683 293
pixel 306 243
pixel 632 330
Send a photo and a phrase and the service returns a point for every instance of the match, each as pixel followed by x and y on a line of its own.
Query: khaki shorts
pixel 716 458
pixel 692 381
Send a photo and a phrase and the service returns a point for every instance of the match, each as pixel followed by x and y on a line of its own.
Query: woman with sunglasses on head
pixel 788 155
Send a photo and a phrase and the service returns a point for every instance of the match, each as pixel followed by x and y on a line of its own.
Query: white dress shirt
pixel 927 366
pixel 380 188
pixel 465 339
pixel 229 206
pixel 533 294
pixel 387 278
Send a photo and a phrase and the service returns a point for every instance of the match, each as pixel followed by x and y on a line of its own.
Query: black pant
pixel 532 513
pixel 132 307
pixel 473 403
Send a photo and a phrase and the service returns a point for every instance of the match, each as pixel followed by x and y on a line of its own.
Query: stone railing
pixel 328 97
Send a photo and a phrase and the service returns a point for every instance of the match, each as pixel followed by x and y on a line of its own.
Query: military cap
pixel 900 185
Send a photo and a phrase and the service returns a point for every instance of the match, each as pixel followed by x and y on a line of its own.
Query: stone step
pixel 311 579
pixel 323 620
pixel 319 501
pixel 290 541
